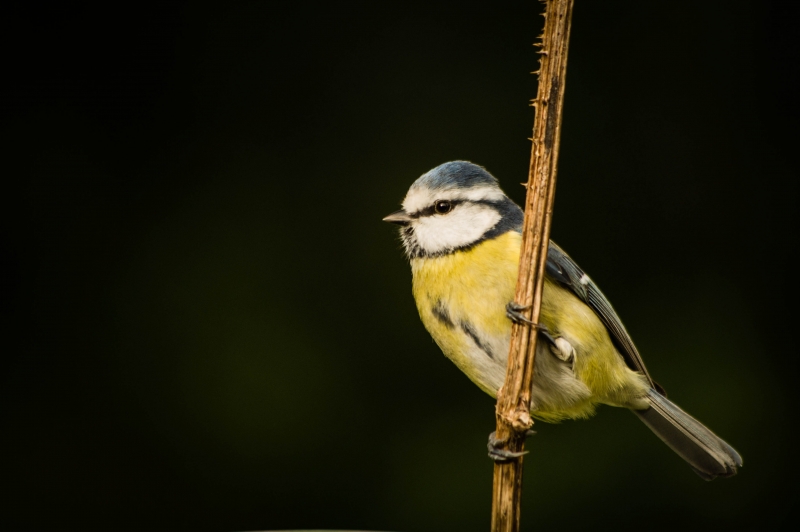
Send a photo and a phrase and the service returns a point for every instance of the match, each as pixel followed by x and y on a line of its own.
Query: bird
pixel 462 236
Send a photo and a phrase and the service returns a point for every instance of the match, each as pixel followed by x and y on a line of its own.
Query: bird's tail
pixel 706 452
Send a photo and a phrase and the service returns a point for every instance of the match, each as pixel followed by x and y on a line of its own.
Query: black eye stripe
pixel 431 210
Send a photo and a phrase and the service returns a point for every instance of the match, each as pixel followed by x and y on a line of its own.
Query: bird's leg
pixel 502 455
pixel 513 311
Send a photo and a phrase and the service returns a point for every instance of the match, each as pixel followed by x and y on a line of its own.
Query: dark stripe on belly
pixel 441 314
pixel 467 328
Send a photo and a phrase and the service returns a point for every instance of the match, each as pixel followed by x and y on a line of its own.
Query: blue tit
pixel 462 235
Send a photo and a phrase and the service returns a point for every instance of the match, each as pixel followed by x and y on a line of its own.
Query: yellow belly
pixel 461 298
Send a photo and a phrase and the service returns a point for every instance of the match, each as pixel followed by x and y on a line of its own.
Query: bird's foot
pixel 514 313
pixel 502 455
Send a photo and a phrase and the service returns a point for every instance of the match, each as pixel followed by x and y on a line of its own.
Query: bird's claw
pixel 513 311
pixel 502 455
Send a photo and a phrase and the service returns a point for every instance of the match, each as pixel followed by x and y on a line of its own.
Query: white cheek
pixel 466 224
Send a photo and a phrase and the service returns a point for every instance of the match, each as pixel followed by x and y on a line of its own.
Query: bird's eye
pixel 442 207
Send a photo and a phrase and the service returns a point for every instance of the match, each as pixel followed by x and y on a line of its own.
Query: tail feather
pixel 706 452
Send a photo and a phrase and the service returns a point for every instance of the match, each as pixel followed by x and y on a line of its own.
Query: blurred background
pixel 206 325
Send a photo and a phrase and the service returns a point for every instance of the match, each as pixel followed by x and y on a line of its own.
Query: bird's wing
pixel 564 270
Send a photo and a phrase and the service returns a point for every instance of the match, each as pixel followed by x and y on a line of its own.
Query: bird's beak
pixel 400 217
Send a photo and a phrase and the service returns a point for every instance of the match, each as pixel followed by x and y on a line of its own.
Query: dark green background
pixel 206 326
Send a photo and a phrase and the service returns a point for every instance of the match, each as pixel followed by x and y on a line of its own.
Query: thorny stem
pixel 514 398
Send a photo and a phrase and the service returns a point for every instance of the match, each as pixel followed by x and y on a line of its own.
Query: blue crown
pixel 456 174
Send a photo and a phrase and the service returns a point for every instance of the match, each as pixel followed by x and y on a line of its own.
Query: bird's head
pixel 451 208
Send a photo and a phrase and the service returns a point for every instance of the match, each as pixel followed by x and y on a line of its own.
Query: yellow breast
pixel 470 289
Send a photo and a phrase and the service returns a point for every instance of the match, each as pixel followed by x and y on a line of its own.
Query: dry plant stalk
pixel 514 398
